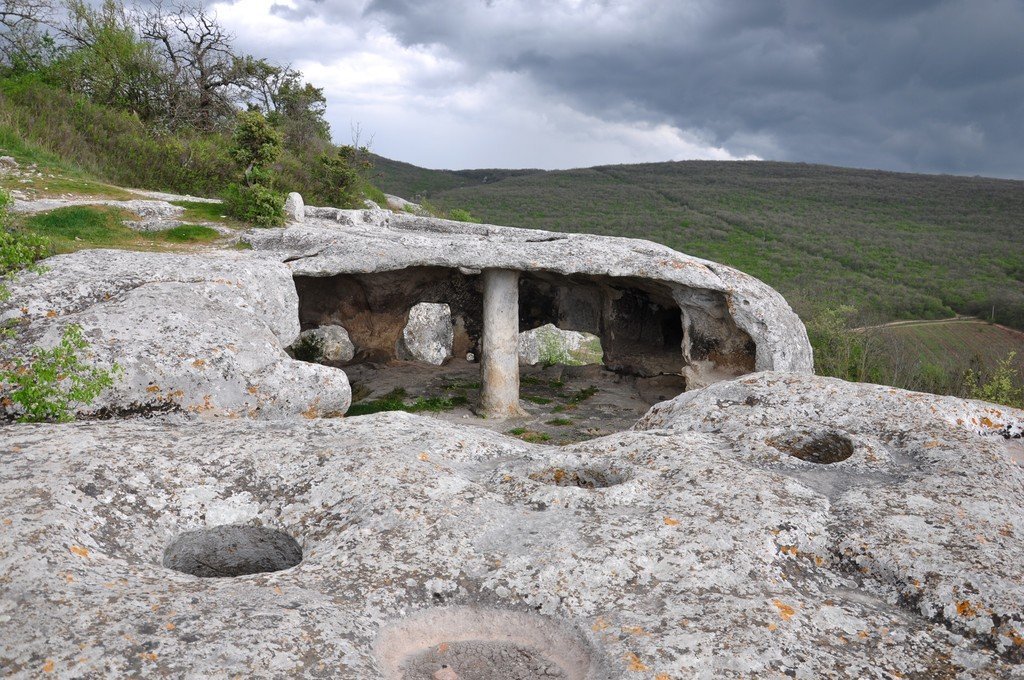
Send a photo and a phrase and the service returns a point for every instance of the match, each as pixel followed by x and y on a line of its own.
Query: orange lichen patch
pixel 785 611
pixel 153 388
pixel 932 444
pixel 662 676
pixel 8 522
pixel 1017 639
pixel 278 591
pixel 788 550
pixel 442 648
pixel 198 363
pixel 634 630
pixel 148 656
pixel 862 634
pixel 772 626
pixel 819 560
pixel 424 457
pixel 966 609
pixel 80 551
pixel 170 626
pixel 48 666
pixel 51 314
pixel 600 624
pixel 312 412
pixel 68 577
pixel 635 664
pixel 987 422
pixel 671 522
pixel 253 389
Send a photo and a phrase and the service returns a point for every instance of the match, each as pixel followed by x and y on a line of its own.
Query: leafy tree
pixel 256 145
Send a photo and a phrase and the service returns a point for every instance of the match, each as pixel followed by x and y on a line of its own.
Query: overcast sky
pixel 912 85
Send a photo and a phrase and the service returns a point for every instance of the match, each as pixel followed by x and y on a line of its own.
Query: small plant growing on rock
pixel 46 386
pixel 309 348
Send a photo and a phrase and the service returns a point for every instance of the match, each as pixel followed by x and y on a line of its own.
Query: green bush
pixel 255 203
pixel 1001 386
pixel 47 386
pixel 18 250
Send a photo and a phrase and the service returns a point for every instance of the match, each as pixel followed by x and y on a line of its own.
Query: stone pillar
pixel 499 365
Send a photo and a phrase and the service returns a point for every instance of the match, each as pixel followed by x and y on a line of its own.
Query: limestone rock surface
pixel 197 334
pixel 777 525
pixel 714 298
pixel 551 345
pixel 333 342
pixel 294 208
pixel 428 335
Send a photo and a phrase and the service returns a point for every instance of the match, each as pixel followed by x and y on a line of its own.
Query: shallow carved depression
pixel 584 477
pixel 466 643
pixel 821 448
pixel 232 550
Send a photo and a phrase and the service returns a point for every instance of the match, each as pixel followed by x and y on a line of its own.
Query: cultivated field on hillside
pixel 894 246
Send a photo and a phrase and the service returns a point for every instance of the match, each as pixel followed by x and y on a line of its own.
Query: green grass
pixel 529 435
pixel 396 401
pixel 536 400
pixel 583 395
pixel 201 211
pixel 189 233
pixel 560 422
pixel 77 227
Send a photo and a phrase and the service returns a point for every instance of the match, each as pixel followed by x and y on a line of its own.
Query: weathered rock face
pixel 194 334
pixel 332 344
pixel 551 345
pixel 775 525
pixel 294 207
pixel 428 335
pixel 656 311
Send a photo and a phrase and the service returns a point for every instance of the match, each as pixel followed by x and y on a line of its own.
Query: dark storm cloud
pixel 924 85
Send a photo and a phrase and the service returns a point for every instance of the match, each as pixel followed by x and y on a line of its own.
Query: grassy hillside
pixel 412 182
pixel 934 355
pixel 894 246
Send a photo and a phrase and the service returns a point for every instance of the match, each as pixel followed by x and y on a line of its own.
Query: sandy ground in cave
pixel 566 403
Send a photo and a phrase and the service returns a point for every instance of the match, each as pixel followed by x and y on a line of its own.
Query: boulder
pixel 8 163
pixel 194 334
pixel 294 208
pixel 329 344
pixel 551 345
pixel 776 525
pixel 428 335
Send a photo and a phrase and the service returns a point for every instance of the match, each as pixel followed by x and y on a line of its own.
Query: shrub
pixel 1000 387
pixel 461 215
pixel 256 204
pixel 53 380
pixel 18 250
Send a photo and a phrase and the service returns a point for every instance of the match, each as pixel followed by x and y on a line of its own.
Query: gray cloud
pixel 920 85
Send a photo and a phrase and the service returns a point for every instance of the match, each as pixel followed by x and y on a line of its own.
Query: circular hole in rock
pixel 467 643
pixel 821 448
pixel 232 550
pixel 479 660
pixel 584 477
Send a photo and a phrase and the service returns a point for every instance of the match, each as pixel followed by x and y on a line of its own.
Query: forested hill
pixel 891 245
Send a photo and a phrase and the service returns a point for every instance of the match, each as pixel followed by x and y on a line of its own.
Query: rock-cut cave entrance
pixel 652 347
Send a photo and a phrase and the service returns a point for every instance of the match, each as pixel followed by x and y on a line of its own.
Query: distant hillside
pixel 892 245
pixel 412 182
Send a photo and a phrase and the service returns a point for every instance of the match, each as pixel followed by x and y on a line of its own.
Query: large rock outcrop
pixel 776 525
pixel 655 310
pixel 199 334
